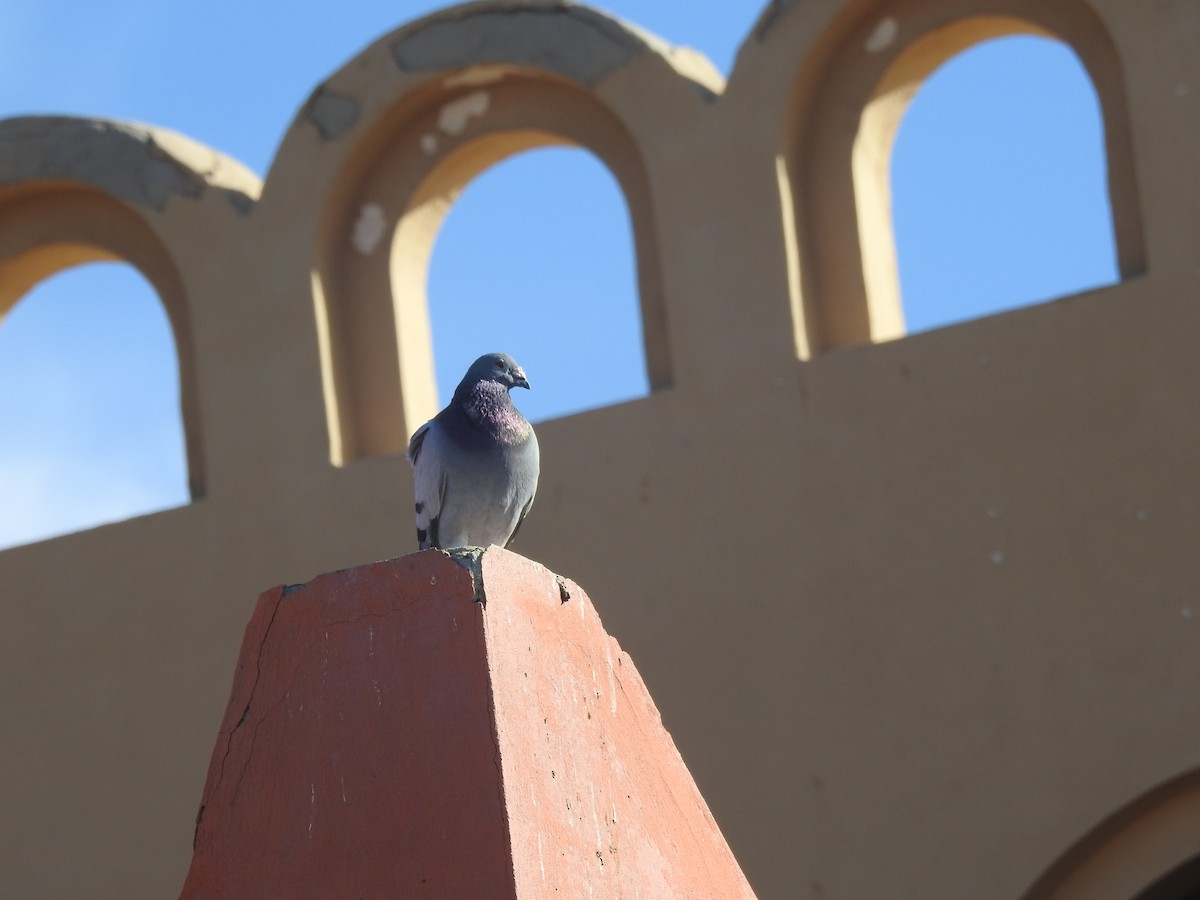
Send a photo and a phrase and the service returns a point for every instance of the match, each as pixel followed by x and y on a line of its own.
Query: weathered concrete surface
pixel 431 727
pixel 333 114
pixel 574 41
pixel 143 166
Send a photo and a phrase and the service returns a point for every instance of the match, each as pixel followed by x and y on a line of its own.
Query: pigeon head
pixel 497 367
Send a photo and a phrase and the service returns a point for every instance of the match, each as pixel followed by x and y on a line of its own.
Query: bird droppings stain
pixel 429 143
pixel 1186 612
pixel 541 862
pixel 1141 515
pixel 612 681
pixel 312 803
pixel 455 115
pixel 369 229
pixel 883 35
pixel 476 76
pixel 998 557
pixel 993 512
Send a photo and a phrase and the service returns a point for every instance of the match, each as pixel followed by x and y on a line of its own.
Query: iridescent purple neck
pixel 489 406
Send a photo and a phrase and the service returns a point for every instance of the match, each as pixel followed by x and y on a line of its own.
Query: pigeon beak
pixel 519 379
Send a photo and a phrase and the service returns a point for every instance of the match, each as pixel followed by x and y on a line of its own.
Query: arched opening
pixel 536 258
pixel 998 184
pixel 90 401
pixel 371 274
pixel 1181 883
pixel 1144 850
pixel 847 105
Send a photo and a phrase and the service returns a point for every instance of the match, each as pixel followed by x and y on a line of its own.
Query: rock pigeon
pixel 475 464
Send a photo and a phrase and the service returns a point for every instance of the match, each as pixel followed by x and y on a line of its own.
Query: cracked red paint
pixel 393 737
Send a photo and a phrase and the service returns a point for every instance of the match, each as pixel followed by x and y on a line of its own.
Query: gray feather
pixel 476 463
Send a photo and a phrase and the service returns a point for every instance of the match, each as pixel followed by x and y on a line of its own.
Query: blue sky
pixel 998 193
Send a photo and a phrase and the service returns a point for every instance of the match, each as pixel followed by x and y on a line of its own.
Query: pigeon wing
pixel 426 453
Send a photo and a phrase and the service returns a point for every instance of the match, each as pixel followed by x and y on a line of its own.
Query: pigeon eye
pixel 499 364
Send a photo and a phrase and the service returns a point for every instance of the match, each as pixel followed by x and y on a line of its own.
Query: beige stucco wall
pixel 919 614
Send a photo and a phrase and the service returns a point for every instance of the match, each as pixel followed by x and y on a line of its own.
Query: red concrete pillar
pixel 437 727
